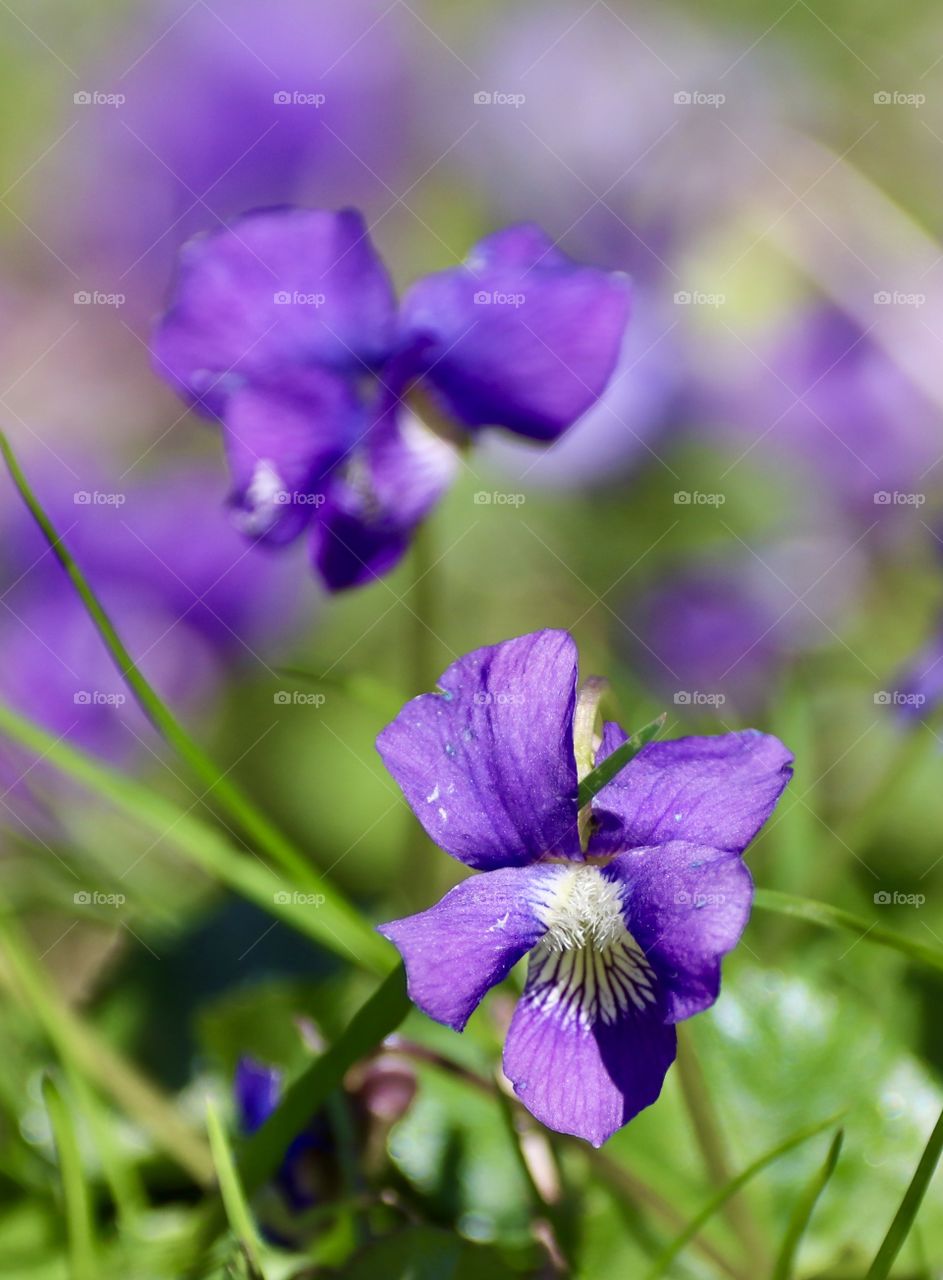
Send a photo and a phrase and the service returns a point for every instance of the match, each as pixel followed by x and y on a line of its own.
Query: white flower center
pixel 587 965
pixel 264 495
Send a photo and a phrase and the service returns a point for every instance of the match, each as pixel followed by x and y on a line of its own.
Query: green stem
pixel 713 1147
pixel 252 820
pixel 78 1208
pixel 80 1048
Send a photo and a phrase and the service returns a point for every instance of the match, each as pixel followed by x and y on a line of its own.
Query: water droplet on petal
pixel 449 749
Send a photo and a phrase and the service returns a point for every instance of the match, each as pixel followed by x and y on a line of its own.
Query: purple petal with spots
pixel 583 1078
pixel 487 764
pixel 388 489
pixel 281 441
pixel 276 289
pixel 519 335
pixel 686 906
pixel 715 791
pixel 459 949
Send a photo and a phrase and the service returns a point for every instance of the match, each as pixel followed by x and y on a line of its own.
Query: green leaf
pixel 821 913
pixel 427 1253
pixel 913 1197
pixel 218 784
pixel 230 1187
pixel 262 1153
pixel 804 1208
pixel 616 762
pixel 319 910
pixel 81 1049
pixel 716 1202
pixel 78 1208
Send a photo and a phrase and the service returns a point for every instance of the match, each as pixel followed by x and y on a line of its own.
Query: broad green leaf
pixel 804 1208
pixel 716 1202
pixel 913 1197
pixel 427 1253
pixel 616 762
pixel 829 917
pixel 260 1155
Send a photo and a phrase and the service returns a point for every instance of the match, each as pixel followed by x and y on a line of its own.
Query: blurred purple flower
pixel 625 918
pixel 826 397
pixel 223 109
pixel 285 327
pixel 184 590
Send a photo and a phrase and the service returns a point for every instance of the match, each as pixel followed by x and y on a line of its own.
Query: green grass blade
pixel 804 1208
pixel 81 1049
pixel 261 1154
pixel 616 762
pixel 230 1189
pixel 78 1206
pixel 330 920
pixel 219 787
pixel 829 917
pixel 716 1202
pixel 913 1197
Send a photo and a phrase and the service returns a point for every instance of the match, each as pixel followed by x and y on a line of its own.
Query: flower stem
pixel 713 1148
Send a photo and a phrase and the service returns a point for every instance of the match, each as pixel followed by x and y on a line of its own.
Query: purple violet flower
pixel 284 326
pixel 626 911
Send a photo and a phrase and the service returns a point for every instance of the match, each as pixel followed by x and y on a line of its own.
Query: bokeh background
pixel 747 530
